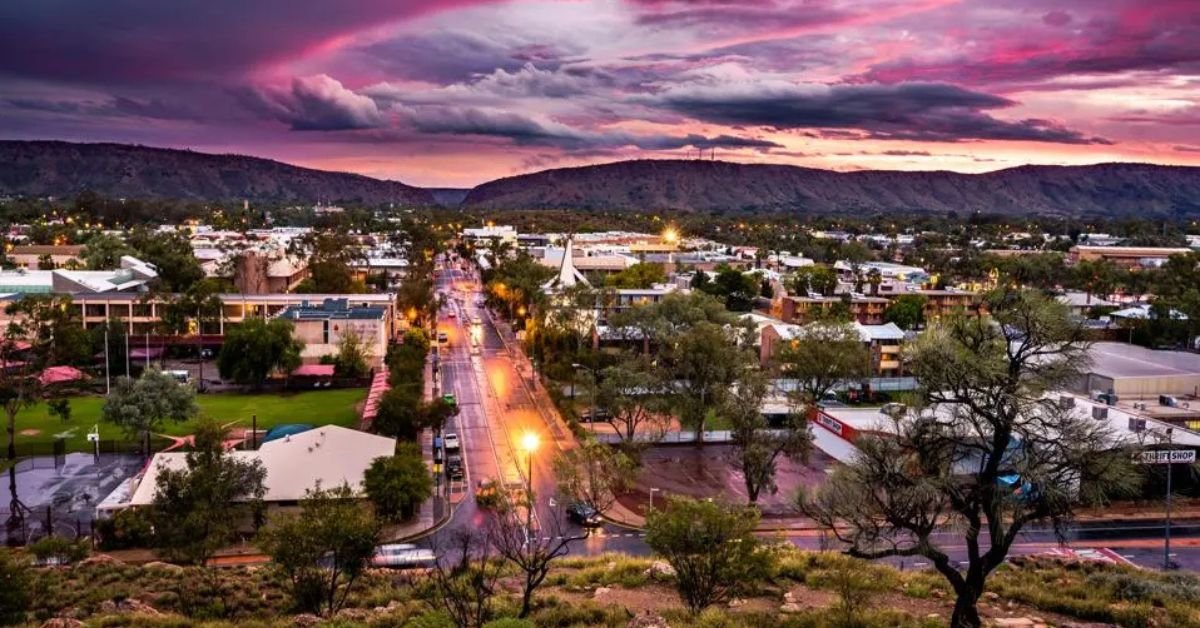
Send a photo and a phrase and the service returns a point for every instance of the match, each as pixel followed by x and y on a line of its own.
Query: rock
pixel 933 616
pixel 601 592
pixel 648 620
pixel 138 607
pixel 306 620
pixel 1013 622
pixel 991 596
pixel 610 565
pixel 62 622
pixel 660 568
pixel 790 608
pixel 937 593
pixel 100 559
pixel 789 597
pixel 737 602
pixel 161 566
pixel 358 615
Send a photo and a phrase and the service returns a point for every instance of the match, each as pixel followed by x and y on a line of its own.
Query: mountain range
pixel 43 168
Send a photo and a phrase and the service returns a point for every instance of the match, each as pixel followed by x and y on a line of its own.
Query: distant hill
pixel 1105 189
pixel 124 171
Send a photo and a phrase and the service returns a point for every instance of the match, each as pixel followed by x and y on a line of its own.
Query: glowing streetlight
pixel 670 235
pixel 529 443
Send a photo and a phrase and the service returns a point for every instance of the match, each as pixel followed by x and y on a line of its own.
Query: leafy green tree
pixel 759 447
pixel 330 255
pixel 736 288
pixel 323 550
pixel 398 484
pixel 986 397
pixel 199 509
pixel 705 360
pixel 171 254
pixel 823 357
pixel 140 406
pixel 907 311
pixel 594 473
pixel 104 251
pixel 43 331
pixel 642 275
pixel 16 585
pixel 351 358
pixel 815 279
pixel 256 348
pixel 711 546
pixel 634 396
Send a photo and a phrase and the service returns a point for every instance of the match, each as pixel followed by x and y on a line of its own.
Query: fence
pixel 674 438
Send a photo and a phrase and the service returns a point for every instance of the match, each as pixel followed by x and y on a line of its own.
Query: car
pixel 584 515
pixel 443 338
pixel 452 314
pixel 594 416
pixel 454 466
pixel 402 556
pixel 451 441
pixel 450 399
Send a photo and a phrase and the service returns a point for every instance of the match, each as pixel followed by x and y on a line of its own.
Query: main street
pixel 499 405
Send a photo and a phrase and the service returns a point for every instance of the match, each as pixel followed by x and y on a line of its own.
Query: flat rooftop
pixel 1115 359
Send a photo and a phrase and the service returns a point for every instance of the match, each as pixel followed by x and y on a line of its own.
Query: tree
pixel 397 485
pixel 907 311
pixel 990 451
pixel 633 396
pixel 323 550
pixel 330 256
pixel 140 406
pixel 16 584
pixel 758 446
pixel 705 360
pixel 824 356
pixel 43 331
pixel 814 279
pixel 594 474
pixel 185 312
pixel 104 251
pixel 171 254
pixel 256 348
pixel 199 509
pixel 738 289
pixel 531 553
pixel 641 276
pixel 711 546
pixel 352 355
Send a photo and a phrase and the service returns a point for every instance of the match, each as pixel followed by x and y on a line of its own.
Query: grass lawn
pixel 336 407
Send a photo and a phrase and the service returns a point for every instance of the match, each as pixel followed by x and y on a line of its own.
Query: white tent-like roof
pixel 330 455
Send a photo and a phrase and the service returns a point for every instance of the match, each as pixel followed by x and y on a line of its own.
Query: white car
pixel 451 441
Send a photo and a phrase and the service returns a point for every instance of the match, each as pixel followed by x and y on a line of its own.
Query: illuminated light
pixel 530 442
pixel 670 235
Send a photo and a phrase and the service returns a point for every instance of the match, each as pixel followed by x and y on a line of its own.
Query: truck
pixel 454 460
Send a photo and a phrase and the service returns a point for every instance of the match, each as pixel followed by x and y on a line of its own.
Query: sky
pixel 456 92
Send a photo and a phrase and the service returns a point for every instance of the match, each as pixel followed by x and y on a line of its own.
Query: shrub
pixel 127 528
pixel 509 622
pixel 59 550
pixel 15 586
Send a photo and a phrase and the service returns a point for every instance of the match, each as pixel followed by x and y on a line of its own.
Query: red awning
pixel 60 375
pixel 313 370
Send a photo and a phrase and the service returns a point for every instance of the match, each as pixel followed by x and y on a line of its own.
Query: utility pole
pixel 1167 534
pixel 107 378
pixel 126 352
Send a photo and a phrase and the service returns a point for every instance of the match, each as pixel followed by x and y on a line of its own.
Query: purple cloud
pixel 910 111
pixel 315 103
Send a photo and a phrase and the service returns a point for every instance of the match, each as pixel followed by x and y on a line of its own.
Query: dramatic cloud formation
pixel 451 92
pixel 316 103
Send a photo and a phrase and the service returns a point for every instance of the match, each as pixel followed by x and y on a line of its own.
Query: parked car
pixel 451 441
pixel 594 416
pixel 443 338
pixel 402 556
pixel 584 515
pixel 454 466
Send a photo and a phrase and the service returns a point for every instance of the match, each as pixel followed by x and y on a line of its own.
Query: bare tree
pixel 530 549
pixel 594 473
pixel 466 586
pixel 990 451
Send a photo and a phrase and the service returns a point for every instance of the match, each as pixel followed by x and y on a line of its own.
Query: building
pixel 1082 303
pixel 1125 256
pixel 31 256
pixel 321 326
pixel 329 456
pixel 1133 372
pixel 882 341
pixel 939 303
pixel 132 277
pixel 799 310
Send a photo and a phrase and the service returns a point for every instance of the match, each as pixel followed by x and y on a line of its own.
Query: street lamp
pixel 595 383
pixel 652 492
pixel 529 443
